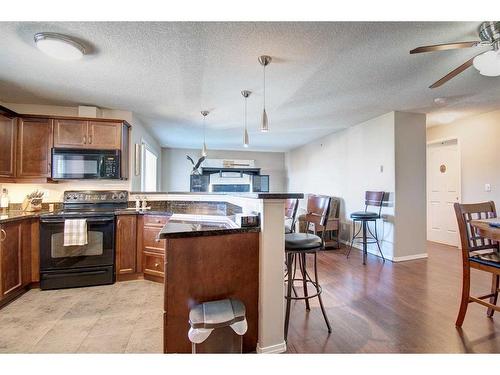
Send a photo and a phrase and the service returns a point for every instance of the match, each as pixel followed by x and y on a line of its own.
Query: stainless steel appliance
pixel 75 266
pixel 81 164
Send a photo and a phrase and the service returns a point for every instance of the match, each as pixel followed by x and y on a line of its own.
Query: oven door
pixel 98 252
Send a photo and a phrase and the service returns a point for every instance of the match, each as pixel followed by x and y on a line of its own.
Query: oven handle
pixel 89 220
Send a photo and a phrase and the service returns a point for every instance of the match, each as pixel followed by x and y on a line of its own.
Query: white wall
pixel 176 168
pixel 363 157
pixel 479 140
pixel 54 191
pixel 410 198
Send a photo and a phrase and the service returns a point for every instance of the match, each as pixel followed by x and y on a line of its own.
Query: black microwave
pixel 82 164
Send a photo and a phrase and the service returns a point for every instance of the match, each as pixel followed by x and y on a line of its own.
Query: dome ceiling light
pixel 59 46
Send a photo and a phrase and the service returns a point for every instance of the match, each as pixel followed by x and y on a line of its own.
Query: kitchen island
pixel 209 259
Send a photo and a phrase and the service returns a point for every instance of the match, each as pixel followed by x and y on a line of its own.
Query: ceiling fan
pixel 488 62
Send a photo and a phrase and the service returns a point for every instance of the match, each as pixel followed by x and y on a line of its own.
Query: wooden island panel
pixel 207 268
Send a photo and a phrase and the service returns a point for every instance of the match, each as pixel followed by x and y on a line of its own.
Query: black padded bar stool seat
pixel 302 241
pixel 364 215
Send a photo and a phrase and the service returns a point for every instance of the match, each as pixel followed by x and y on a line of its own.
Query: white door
pixel 443 189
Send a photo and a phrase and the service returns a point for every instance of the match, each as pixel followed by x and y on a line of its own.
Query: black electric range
pixel 91 264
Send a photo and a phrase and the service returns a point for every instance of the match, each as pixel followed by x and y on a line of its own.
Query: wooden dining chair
pixel 472 246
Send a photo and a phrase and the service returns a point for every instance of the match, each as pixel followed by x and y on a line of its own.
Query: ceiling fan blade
pixel 453 73
pixel 442 47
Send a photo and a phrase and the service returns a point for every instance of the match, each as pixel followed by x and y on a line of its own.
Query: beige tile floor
pixel 125 317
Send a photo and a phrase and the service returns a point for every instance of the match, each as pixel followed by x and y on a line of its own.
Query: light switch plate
pixel 487 187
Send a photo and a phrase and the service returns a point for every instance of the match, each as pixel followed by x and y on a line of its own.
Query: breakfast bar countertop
pixel 180 225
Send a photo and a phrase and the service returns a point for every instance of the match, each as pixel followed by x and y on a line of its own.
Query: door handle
pixel 2 232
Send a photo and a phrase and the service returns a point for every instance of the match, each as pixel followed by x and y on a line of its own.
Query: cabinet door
pixel 126 245
pixel 70 133
pixel 104 135
pixel 7 146
pixel 33 145
pixel 10 259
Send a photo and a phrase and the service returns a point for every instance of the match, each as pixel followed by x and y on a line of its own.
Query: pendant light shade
pixel 264 60
pixel 204 147
pixel 246 142
pixel 264 125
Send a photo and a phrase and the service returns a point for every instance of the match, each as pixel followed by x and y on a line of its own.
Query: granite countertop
pixel 180 226
pixel 142 212
pixel 275 195
pixel 13 215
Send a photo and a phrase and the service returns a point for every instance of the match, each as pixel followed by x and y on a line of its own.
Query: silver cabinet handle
pixel 2 232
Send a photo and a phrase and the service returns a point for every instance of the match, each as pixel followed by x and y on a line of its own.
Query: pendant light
pixel 245 94
pixel 204 148
pixel 264 60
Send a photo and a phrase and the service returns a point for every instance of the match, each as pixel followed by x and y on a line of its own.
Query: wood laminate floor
pixel 407 307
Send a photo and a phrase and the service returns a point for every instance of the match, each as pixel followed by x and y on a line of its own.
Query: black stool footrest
pixel 319 290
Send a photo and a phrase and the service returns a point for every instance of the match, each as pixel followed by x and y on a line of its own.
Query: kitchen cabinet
pixel 7 147
pixel 33 148
pixel 15 258
pixel 70 133
pixel 153 248
pixel 126 247
pixel 102 135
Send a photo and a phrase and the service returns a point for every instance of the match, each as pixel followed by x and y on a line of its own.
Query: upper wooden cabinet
pixel 70 133
pixel 33 148
pixel 7 147
pixel 105 135
pixel 101 135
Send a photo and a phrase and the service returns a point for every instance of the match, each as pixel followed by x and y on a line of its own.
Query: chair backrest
pixel 317 209
pixel 291 206
pixel 374 199
pixel 468 238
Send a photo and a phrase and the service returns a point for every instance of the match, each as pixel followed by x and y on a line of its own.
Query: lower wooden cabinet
pixel 153 248
pixel 126 247
pixel 15 257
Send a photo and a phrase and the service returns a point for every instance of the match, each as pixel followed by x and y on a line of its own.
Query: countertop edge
pixel 208 233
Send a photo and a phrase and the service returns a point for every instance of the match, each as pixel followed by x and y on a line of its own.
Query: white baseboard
pixel 273 349
pixel 410 257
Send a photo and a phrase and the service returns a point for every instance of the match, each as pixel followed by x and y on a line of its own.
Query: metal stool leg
pixel 319 294
pixel 302 262
pixel 289 257
pixel 365 244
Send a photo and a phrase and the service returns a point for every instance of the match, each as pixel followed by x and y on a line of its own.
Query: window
pixel 149 169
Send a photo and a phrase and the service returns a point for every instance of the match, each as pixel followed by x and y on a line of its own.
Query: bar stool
pixel 373 199
pixel 297 247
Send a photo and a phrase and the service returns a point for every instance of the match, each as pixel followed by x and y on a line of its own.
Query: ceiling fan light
pixel 59 46
pixel 488 63
pixel 264 126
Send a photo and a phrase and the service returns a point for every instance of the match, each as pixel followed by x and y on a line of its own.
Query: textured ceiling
pixel 324 76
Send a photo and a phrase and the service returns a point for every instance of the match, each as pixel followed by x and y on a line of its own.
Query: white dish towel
pixel 75 232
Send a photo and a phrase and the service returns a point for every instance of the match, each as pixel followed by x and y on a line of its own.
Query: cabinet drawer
pixel 154 264
pixel 155 220
pixel 150 240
